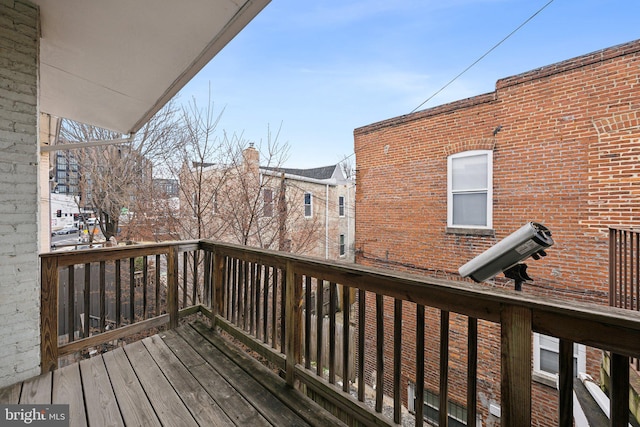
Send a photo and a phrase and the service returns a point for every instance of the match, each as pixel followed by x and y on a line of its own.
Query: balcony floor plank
pixel 179 377
pixel 165 401
pixel 185 384
pixel 135 408
pixel 67 388
pixel 98 391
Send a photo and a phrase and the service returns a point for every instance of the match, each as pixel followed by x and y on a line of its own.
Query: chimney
pixel 251 158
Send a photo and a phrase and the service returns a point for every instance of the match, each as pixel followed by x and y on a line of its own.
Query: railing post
pixel 219 262
pixel 172 286
pixel 293 322
pixel 49 314
pixel 619 403
pixel 565 383
pixel 515 356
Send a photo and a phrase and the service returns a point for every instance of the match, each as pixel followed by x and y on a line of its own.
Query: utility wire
pixel 473 64
pixel 482 57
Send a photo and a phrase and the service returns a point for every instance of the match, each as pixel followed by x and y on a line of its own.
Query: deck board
pixel 98 391
pixel 67 388
pixel 187 377
pixel 37 390
pixel 187 387
pixel 271 407
pixel 10 395
pixel 237 408
pixel 134 406
pixel 168 406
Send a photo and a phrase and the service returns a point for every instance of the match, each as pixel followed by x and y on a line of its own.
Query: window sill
pixel 489 232
pixel 545 379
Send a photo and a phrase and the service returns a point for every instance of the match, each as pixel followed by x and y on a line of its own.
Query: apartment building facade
pixel 305 211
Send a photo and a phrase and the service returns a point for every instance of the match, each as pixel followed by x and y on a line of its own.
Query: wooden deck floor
pixel 184 377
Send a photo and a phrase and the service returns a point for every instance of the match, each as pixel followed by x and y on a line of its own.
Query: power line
pixel 482 57
pixel 473 64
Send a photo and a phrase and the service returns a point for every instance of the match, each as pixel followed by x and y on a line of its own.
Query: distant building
pixel 306 211
pixel 166 187
pixel 66 173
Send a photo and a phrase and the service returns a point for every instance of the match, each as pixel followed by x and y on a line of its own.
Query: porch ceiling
pixel 115 63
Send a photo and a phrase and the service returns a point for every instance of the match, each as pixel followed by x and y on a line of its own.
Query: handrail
pixel 104 275
pixel 264 298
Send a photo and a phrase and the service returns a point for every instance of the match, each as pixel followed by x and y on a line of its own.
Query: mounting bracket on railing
pixel 519 274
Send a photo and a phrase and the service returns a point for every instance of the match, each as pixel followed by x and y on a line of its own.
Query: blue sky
pixel 320 69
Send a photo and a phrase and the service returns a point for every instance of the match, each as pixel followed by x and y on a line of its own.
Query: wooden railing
pixel 624 272
pixel 266 300
pixel 93 297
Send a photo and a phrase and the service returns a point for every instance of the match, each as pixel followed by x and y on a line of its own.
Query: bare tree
pixel 117 178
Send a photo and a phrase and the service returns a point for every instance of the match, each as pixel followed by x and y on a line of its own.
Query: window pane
pixel 470 209
pixel 469 172
pixel 549 361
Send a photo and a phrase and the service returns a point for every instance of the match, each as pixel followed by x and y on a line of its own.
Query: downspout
pixel 326 223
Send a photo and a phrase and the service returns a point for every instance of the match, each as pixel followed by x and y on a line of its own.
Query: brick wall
pixel 567 156
pixel 19 280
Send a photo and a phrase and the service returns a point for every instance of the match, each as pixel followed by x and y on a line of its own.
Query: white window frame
pixel 342 248
pixel 488 190
pixel 341 207
pixel 304 202
pixel 579 352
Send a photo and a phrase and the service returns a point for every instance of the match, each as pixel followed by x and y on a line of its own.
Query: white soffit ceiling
pixel 115 63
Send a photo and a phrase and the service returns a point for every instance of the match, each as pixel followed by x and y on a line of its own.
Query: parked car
pixel 66 230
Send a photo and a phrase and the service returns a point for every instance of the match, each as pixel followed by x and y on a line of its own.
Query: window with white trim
pixel 341 206
pixel 470 189
pixel 545 357
pixel 342 245
pixel 308 208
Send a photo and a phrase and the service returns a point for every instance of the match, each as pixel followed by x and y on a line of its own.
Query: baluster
pixel 619 403
pixel 444 368
pixel 397 359
pixel 274 310
pixel 319 326
pixel 185 279
pixel 157 294
pixel 145 278
pixel 196 260
pixel 346 308
pixel 102 296
pixel 379 351
pixel 258 301
pixel 361 323
pixel 332 333
pixel 118 293
pixel 87 299
pixel 472 370
pixel 132 290
pixel 71 291
pixel 419 402
pixel 307 322
pixel 283 308
pixel 565 383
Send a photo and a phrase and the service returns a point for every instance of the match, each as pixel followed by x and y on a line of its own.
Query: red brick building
pixel 559 145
